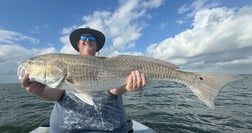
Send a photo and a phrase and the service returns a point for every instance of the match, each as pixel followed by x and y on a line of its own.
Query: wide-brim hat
pixel 75 37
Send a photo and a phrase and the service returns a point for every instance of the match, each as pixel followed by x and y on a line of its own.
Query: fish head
pixel 48 72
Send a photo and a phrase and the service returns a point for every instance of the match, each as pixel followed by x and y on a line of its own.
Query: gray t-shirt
pixel 70 114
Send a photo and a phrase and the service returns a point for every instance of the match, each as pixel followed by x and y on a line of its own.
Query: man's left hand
pixel 135 82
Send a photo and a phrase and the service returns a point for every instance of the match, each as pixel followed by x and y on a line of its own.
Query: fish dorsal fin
pixel 147 59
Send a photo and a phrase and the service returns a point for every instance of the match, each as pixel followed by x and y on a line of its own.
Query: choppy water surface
pixel 169 107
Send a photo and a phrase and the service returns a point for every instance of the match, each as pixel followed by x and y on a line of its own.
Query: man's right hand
pixel 33 87
pixel 40 89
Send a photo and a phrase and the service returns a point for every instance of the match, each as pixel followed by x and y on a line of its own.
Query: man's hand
pixel 33 87
pixel 136 81
pixel 40 90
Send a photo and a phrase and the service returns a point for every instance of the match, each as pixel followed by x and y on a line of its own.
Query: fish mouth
pixel 20 72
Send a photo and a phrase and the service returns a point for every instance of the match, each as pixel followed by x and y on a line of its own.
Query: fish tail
pixel 209 85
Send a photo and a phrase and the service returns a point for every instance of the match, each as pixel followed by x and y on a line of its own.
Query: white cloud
pixel 7 37
pixel 115 53
pixel 12 53
pixel 163 25
pixel 180 21
pixel 220 37
pixel 191 9
pixel 37 29
pixel 184 8
pixel 121 27
pixel 67 47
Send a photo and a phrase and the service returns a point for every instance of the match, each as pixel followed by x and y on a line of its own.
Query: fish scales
pixel 90 73
pixel 84 72
pixel 152 70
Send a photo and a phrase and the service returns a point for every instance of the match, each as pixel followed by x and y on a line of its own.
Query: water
pixel 170 107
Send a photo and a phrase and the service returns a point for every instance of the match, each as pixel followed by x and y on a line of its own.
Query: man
pixel 70 114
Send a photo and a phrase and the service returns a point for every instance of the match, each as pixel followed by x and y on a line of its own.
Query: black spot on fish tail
pixel 201 78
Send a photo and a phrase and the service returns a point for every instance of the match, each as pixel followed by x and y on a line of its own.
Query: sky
pixel 196 35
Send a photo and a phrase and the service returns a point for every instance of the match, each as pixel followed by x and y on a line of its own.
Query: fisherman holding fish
pixel 104 113
pixel 92 100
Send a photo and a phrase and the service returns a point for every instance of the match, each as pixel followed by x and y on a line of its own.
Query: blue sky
pixel 200 35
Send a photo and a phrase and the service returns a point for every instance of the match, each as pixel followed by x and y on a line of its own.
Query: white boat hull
pixel 137 128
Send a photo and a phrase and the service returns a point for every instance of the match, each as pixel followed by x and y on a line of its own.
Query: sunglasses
pixel 90 38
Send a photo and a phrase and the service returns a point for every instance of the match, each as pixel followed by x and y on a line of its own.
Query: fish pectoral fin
pixel 55 83
pixel 76 87
pixel 85 97
pixel 69 82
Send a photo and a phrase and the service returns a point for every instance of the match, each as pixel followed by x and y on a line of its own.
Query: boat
pixel 137 128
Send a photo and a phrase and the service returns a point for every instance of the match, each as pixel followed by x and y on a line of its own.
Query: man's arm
pixel 135 82
pixel 41 90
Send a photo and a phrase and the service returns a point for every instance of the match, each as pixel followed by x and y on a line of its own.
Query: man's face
pixel 87 44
